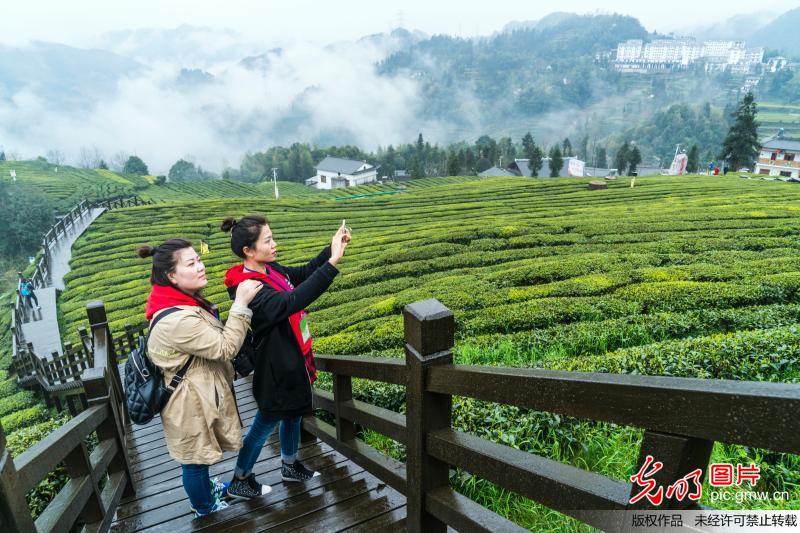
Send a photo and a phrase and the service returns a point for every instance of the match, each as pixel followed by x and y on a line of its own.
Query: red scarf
pixel 162 297
pixel 237 274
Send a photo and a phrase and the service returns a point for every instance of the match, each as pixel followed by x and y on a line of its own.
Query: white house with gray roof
pixel 335 172
pixel 779 157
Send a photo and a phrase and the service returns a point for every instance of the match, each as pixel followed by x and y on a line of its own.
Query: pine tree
pixel 693 160
pixel 634 158
pixel 453 164
pixel 535 161
pixel 527 143
pixel 2 155
pixel 566 148
pixel 740 147
pixel 556 161
pixel 601 160
pixel 621 159
pixel 583 149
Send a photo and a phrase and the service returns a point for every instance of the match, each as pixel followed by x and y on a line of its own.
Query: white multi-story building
pixel 630 50
pixel 678 53
pixel 774 64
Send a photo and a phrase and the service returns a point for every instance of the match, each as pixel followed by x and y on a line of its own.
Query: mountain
pixel 62 74
pixel 184 46
pixel 781 34
pixel 737 27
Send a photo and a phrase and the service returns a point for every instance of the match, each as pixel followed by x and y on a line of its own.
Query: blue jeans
pixel 197 484
pixel 257 436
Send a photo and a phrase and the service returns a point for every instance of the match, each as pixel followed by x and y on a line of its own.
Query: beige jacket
pixel 200 420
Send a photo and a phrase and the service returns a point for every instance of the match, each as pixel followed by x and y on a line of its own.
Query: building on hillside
pixel 496 171
pixel 664 54
pixel 779 156
pixel 335 172
pixel 776 63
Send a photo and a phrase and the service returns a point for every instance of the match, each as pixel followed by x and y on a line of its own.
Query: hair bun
pixel 228 224
pixel 145 251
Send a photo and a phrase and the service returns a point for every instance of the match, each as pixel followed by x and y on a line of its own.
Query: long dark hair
pixel 244 232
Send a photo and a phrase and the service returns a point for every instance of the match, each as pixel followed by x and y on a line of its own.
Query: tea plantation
pixel 67 186
pixel 687 276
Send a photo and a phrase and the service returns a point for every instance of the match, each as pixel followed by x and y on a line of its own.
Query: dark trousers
pixel 32 296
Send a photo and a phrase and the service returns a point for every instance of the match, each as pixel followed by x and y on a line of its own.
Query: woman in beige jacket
pixel 200 420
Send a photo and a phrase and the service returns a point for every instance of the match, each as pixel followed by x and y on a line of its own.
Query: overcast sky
pixel 79 22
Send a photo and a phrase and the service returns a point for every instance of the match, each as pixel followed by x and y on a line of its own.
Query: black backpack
pixel 145 393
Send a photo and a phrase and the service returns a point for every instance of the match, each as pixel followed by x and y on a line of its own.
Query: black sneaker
pixel 247 488
pixel 296 472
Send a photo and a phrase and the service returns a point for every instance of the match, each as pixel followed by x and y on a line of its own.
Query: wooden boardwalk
pixel 344 497
pixel 40 327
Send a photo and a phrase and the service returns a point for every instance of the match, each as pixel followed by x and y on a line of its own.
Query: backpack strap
pixel 178 377
pixel 158 318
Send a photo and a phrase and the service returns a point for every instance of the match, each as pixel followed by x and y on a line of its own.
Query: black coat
pixel 281 384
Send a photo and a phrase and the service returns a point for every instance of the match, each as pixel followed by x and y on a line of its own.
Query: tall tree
pixel 556 161
pixel 469 162
pixel 532 153
pixel 453 164
pixel 740 147
pixel 134 165
pixel 601 160
pixel 621 159
pixel 527 142
pixel 566 148
pixel 2 155
pixel 634 158
pixel 182 170
pixel 507 150
pixel 583 149
pixel 693 159
pixel 535 161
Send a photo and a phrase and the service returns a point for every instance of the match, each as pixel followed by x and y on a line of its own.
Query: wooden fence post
pixel 343 392
pixel 14 512
pixel 680 455
pixel 429 329
pixel 98 391
pixel 104 343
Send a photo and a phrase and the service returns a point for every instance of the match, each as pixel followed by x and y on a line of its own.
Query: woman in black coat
pixel 284 368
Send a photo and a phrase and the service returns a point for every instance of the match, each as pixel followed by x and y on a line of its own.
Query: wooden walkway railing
pixel 41 273
pixel 32 372
pixel 81 501
pixel 681 418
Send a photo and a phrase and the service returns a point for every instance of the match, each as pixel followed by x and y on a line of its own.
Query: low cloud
pixel 300 93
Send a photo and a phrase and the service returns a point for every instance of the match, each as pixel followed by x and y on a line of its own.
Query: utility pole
pixel 275 180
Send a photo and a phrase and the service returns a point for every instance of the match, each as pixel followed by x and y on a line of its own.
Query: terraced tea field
pixel 67 186
pixel 773 116
pixel 689 276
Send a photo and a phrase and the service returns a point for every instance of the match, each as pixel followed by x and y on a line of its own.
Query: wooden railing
pixel 682 419
pixel 21 312
pixel 121 201
pixel 81 501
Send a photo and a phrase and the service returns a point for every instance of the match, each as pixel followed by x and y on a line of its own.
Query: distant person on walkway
pixel 27 292
pixel 284 367
pixel 200 421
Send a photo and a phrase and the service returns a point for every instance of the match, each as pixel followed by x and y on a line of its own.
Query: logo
pixel 691 485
